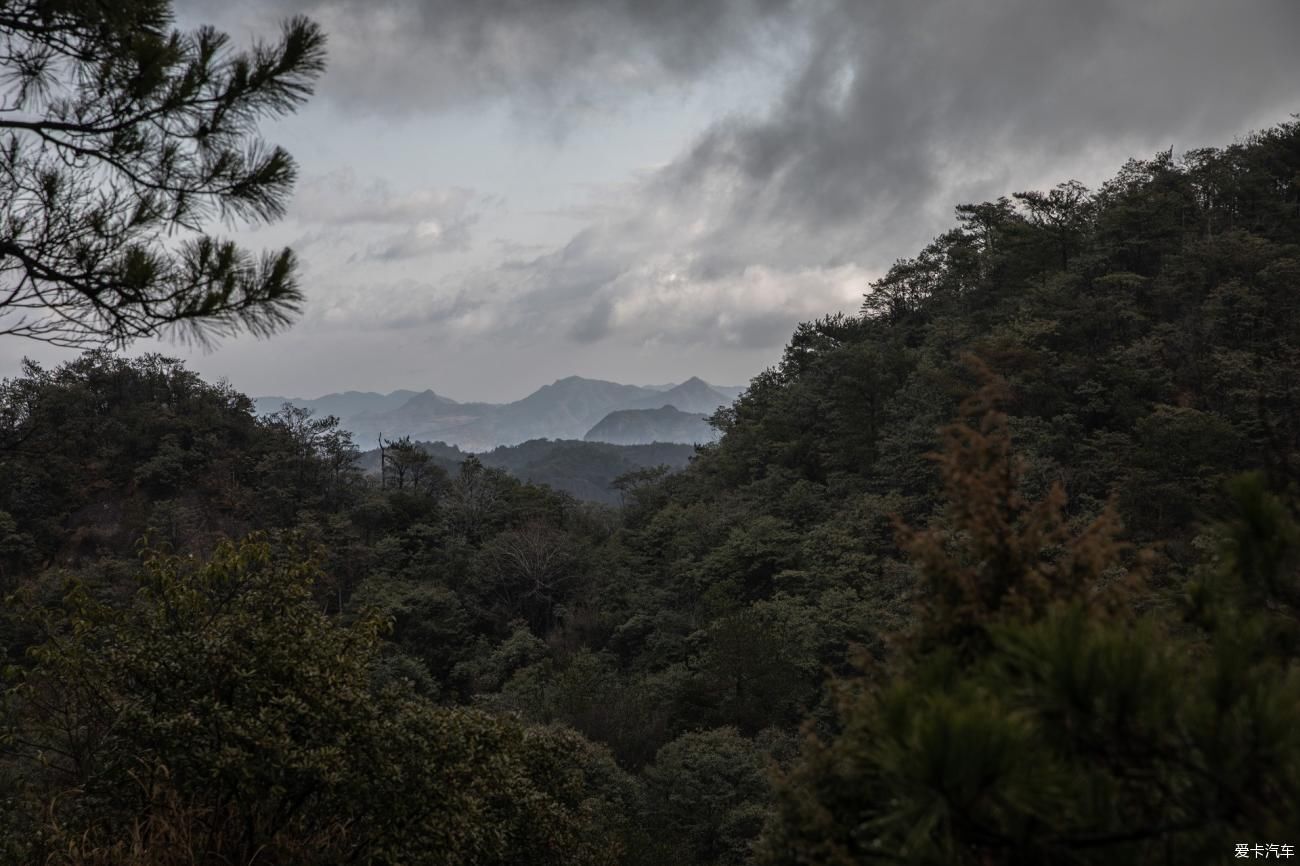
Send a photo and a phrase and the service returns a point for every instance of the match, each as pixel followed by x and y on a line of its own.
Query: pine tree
pixel 120 137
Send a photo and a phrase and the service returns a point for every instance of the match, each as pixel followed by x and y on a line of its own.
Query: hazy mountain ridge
pixel 568 409
pixel 645 426
pixel 693 396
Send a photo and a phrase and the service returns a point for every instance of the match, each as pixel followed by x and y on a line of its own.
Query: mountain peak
pixel 570 382
pixel 694 396
pixel 429 397
pixel 643 426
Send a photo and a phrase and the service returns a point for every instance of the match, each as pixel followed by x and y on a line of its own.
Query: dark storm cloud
pixel 903 105
pixel 894 113
pixel 901 111
pixel 396 56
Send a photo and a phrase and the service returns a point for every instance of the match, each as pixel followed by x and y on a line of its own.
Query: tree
pixel 1062 213
pixel 473 498
pixel 634 481
pixel 406 464
pixel 16 548
pixel 306 435
pixel 1015 558
pixel 528 572
pixel 752 672
pixel 708 792
pixel 116 133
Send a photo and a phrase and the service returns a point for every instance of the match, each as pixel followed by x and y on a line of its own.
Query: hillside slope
pixel 1147 330
pixel 585 470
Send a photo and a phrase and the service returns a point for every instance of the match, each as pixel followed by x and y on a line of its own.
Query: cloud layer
pixel 892 113
pixel 899 112
pixel 379 224
pixel 401 56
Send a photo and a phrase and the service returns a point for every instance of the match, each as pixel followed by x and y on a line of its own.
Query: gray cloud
pixel 901 111
pixel 386 225
pixel 903 106
pixel 425 239
pixel 339 198
pixel 407 305
pixel 628 282
pixel 397 56
pixel 893 113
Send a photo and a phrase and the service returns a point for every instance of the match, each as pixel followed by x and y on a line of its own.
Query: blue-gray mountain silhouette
pixel 569 408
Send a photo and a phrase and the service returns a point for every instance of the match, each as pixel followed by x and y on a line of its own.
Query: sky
pixel 495 194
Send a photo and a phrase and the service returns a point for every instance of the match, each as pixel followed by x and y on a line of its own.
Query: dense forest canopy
pixel 1002 569
pixel 589 471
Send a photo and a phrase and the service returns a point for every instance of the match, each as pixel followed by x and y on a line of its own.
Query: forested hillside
pixel 589 471
pixel 1003 569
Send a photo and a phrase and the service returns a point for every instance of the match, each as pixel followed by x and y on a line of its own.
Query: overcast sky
pixel 498 193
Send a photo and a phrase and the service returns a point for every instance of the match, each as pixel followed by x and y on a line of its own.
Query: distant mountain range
pixel 572 408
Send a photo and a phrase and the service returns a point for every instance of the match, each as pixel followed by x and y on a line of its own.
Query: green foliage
pixel 753 668
pixel 17 549
pixel 709 791
pixel 224 696
pixel 123 132
pixel 1024 723
pixel 90 451
pixel 586 692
